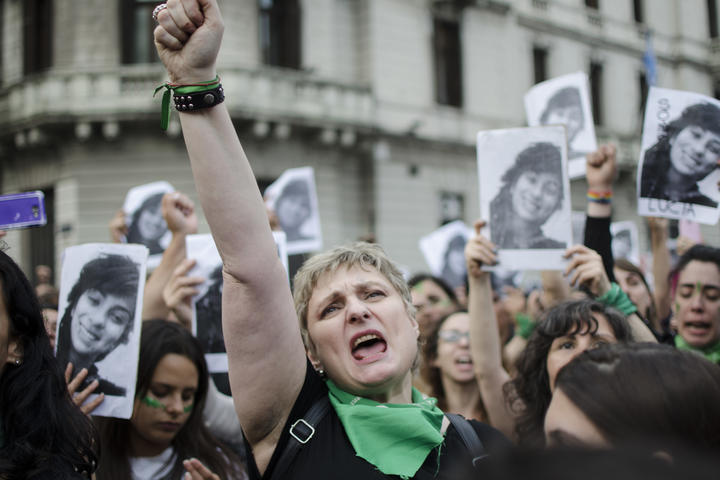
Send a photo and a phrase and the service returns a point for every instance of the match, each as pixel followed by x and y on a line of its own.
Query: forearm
pixel 228 193
pixel 661 273
pixel 154 306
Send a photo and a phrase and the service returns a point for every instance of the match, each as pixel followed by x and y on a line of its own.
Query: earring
pixel 17 362
pixel 321 372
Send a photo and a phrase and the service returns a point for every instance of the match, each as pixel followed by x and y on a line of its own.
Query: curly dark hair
pixel 45 433
pixel 432 375
pixel 528 394
pixel 160 338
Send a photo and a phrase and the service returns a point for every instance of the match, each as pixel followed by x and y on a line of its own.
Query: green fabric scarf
pixel 712 352
pixel 396 438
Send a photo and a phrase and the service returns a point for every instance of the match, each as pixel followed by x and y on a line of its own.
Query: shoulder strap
pixel 469 437
pixel 300 433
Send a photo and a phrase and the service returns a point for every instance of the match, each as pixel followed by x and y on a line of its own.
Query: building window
pixel 280 32
pixel 137 31
pixel 638 12
pixel 593 4
pixel 712 18
pixel 596 71
pixel 37 35
pixel 448 66
pixel 540 64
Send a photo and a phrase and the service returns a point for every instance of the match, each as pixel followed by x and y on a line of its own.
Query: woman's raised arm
pixel 265 351
pixel 484 336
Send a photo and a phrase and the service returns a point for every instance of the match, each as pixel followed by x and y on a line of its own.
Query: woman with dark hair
pixel 166 426
pixel 99 316
pixel 433 299
pixel 687 152
pixel 517 406
pixel 43 434
pixel 447 367
pixel 632 281
pixel 648 395
pixel 147 225
pixel 531 192
pixel 208 308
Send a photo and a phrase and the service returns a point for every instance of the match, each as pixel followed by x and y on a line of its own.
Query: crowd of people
pixel 359 372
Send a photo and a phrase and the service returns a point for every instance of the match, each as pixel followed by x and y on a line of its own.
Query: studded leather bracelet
pixel 189 102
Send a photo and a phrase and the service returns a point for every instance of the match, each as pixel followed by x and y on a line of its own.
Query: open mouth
pixel 698 327
pixel 464 360
pixel 89 333
pixel 367 345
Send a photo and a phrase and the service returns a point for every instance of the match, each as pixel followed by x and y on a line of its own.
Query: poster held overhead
pixel 525 195
pixel 444 252
pixel 100 310
pixel 293 198
pixel 146 225
pixel 565 101
pixel 678 167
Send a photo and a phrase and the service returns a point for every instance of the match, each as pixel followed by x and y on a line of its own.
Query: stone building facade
pixel 382 97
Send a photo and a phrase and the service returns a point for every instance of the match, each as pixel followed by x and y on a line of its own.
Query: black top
pixel 329 454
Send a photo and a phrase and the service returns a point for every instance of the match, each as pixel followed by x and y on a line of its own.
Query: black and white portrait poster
pixel 293 198
pixel 625 242
pixel 444 251
pixel 100 312
pixel 678 167
pixel 207 304
pixel 144 220
pixel 525 195
pixel 565 101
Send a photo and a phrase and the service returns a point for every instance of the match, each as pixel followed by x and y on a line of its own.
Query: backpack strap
pixel 469 437
pixel 300 433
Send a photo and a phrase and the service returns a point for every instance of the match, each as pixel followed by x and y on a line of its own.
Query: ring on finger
pixel 157 10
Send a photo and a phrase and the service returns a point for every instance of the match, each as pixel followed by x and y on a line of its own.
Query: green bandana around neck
pixel 712 352
pixel 394 437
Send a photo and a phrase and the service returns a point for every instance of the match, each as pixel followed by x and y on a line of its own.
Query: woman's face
pixel 567 425
pixel 361 332
pixel 455 260
pixel 694 151
pixel 453 350
pixel 99 321
pixel 535 196
pixel 431 304
pixel 151 224
pixel 168 404
pixel 634 287
pixel 564 349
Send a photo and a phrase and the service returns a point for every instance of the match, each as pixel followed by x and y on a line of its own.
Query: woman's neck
pixel 462 398
pixel 398 393
pixel 141 447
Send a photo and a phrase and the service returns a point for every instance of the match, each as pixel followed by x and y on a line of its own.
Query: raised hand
pixel 585 268
pixel 188 38
pixel 479 251
pixel 601 168
pixel 118 227
pixel 179 291
pixel 179 213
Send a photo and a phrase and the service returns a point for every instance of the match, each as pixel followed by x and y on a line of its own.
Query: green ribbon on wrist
pixel 617 299
pixel 525 324
pixel 180 90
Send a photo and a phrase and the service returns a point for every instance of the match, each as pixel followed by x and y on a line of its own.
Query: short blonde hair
pixel 359 254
